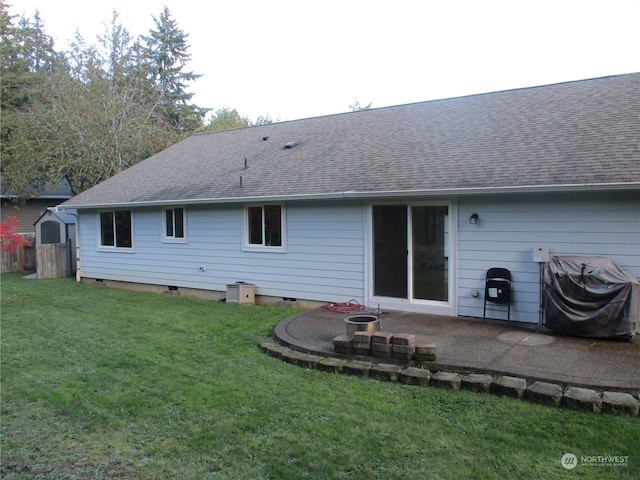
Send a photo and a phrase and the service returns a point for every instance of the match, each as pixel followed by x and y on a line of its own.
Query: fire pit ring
pixel 362 322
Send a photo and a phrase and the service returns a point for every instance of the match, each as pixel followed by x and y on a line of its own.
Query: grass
pixel 103 383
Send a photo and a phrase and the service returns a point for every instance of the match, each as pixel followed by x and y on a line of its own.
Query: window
pixel 50 232
pixel 174 224
pixel 265 227
pixel 115 229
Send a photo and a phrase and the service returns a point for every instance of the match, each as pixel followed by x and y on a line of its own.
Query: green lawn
pixel 103 383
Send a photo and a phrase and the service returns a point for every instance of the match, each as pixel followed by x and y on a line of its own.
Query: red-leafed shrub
pixel 10 241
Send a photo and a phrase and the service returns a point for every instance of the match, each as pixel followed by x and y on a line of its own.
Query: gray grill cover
pixel 591 297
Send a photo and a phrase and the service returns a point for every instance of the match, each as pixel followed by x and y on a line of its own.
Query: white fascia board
pixel 370 195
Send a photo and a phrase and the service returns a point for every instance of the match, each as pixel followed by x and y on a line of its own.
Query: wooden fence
pixel 22 260
pixel 53 260
pixel 11 261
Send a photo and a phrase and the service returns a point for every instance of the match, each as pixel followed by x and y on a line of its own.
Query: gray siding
pixel 592 224
pixel 29 213
pixel 324 258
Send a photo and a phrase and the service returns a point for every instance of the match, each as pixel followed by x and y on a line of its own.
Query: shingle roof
pixel 60 190
pixel 575 134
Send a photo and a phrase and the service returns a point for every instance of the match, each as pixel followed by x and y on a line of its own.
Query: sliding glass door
pixel 411 252
pixel 390 251
pixel 430 257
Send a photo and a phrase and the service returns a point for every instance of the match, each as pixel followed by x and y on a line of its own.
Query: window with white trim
pixel 265 227
pixel 116 229
pixel 174 224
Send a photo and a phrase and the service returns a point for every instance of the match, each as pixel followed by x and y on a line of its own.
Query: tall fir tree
pixel 27 60
pixel 166 50
pixel 94 110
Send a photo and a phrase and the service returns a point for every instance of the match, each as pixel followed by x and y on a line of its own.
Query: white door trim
pixel 413 305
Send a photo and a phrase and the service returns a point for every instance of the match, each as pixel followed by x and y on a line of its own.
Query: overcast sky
pixel 305 58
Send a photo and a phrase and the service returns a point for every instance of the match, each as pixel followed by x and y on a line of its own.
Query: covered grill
pixel 590 297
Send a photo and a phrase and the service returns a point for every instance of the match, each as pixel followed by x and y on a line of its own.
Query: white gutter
pixel 372 195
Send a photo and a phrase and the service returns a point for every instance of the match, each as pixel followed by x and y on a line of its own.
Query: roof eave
pixel 369 195
pixel 40 197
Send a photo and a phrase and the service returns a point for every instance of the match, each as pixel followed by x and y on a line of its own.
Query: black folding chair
pixel 497 289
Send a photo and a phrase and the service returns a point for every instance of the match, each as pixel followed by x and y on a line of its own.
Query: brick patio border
pixel 544 393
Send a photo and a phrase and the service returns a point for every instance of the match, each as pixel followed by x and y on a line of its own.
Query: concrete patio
pixel 493 347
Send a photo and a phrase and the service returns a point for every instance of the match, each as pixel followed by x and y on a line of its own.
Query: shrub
pixel 10 241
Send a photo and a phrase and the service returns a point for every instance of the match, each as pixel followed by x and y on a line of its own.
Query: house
pixel 55 226
pixel 31 209
pixel 404 207
pixel 27 213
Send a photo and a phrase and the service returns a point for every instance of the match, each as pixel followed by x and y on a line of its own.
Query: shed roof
pixel 582 134
pixel 65 218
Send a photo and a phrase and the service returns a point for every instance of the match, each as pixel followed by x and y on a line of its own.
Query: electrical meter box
pixel 240 292
pixel 541 254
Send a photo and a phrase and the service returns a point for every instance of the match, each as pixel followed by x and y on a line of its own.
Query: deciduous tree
pixel 356 107
pixel 93 111
pixel 226 118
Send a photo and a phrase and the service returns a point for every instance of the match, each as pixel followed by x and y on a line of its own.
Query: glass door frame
pixel 448 307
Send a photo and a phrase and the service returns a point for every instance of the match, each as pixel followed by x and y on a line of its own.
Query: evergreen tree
pixel 93 111
pixel 166 50
pixel 94 116
pixel 27 59
pixel 27 56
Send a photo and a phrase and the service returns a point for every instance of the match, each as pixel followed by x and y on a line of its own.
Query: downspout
pixel 78 273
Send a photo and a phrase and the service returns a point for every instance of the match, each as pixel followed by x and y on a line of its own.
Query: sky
pixel 295 59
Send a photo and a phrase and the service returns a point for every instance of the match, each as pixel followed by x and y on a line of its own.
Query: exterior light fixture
pixel 473 219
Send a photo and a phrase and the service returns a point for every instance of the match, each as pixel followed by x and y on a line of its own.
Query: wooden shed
pixel 57 227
